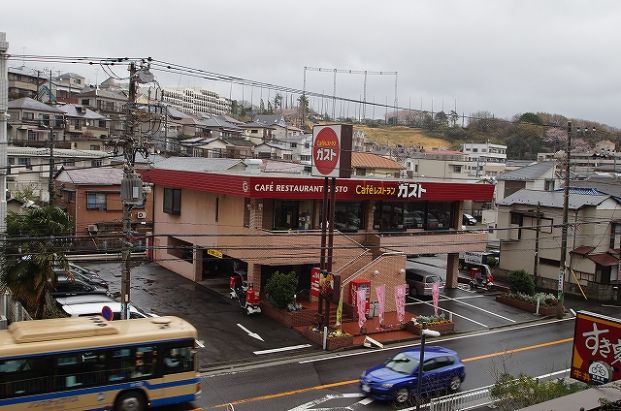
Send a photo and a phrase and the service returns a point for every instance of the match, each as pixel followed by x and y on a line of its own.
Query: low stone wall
pixel 288 318
pixel 544 310
pixel 333 343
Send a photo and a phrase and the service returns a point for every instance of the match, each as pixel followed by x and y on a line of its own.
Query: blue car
pixel 396 379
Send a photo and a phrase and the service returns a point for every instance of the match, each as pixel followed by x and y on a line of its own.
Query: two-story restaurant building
pixel 213 216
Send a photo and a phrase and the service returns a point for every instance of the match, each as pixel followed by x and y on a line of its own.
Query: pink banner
pixel 400 301
pixel 361 298
pixel 435 295
pixel 380 291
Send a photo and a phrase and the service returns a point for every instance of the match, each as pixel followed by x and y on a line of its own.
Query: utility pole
pixel 563 266
pixel 50 183
pixel 536 265
pixel 131 187
pixel 4 101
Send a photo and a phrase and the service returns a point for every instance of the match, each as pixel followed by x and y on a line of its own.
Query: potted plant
pixel 336 338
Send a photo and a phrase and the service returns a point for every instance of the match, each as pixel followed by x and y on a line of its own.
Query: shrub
pixel 281 288
pixel 544 299
pixel 424 320
pixel 521 282
pixel 512 393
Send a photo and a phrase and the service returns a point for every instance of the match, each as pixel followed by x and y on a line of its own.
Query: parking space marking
pixel 273 350
pixel 484 310
pixel 454 313
pixel 465 288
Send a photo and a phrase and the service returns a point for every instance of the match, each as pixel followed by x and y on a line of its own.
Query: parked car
pixel 86 309
pixel 84 298
pixel 85 275
pixel 66 287
pixel 396 379
pixel 420 284
pixel 469 220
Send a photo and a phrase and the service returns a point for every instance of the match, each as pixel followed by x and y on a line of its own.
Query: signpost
pixel 596 357
pixel 106 312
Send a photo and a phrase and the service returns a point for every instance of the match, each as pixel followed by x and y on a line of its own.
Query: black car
pixel 66 287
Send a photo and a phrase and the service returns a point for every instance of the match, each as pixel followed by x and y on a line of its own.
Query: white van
pixel 86 309
pixel 83 299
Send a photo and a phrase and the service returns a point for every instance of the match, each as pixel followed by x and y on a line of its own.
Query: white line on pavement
pixel 484 310
pixel 313 403
pixel 273 350
pixel 365 401
pixel 439 340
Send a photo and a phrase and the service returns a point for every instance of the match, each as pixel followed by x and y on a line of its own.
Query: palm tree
pixel 31 252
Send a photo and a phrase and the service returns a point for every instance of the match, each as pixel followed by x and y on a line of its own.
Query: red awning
pixel 604 259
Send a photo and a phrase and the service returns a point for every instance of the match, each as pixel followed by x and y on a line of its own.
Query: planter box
pixel 333 343
pixel 446 327
pixel 545 310
pixel 289 318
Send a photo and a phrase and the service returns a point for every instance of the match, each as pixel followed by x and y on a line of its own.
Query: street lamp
pixel 423 334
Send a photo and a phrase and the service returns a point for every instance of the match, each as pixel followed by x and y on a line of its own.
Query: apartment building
pixel 191 101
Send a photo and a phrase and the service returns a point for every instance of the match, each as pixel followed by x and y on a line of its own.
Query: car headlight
pixel 386 385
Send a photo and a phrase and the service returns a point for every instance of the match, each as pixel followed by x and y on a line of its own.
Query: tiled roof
pixel 530 172
pixel 32 104
pixel 92 176
pixel 114 95
pixel 71 110
pixel 199 164
pixel 371 160
pixel 552 199
pixel 58 152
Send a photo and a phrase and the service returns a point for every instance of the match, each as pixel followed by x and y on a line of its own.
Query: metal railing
pixel 463 400
pixel 11 309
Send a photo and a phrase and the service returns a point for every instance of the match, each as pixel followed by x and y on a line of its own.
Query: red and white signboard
pixel 596 357
pixel 331 151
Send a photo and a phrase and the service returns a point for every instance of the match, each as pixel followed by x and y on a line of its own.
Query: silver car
pixel 420 283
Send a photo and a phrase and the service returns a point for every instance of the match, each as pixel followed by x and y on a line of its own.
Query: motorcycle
pixel 480 281
pixel 245 294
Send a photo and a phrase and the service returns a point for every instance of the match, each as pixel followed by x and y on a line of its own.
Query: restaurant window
pixel 388 217
pixel 172 201
pixel 439 216
pixel 348 216
pixel 414 215
pixel 286 215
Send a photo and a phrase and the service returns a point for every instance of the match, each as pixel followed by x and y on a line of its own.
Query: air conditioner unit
pixel 92 228
pixel 141 214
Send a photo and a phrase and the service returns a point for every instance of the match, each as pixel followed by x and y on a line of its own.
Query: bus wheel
pixel 130 401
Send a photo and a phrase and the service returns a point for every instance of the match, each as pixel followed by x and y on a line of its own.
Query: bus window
pixel 79 370
pixel 178 359
pixel 146 362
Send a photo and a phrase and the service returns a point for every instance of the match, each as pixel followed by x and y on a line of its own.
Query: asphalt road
pixel 330 381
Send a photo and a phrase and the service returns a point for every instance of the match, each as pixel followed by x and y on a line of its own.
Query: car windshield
pixel 402 364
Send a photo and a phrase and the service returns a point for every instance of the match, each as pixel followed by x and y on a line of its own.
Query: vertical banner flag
pixel 400 301
pixel 435 295
pixel 339 309
pixel 380 292
pixel 361 298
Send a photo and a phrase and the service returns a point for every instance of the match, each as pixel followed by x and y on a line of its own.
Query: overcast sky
pixel 505 57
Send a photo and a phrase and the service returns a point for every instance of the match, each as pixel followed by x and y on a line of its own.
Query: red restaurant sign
pixel 596 356
pixel 331 151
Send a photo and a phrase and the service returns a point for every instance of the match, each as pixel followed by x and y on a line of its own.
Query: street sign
pixel 596 357
pixel 331 151
pixel 106 312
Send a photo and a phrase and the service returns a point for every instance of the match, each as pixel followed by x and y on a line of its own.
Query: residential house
pixel 92 198
pixel 67 87
pixel 281 130
pixel 108 103
pixel 24 82
pixel 373 165
pixel 32 123
pixel 273 151
pixel 536 176
pixel 84 128
pixel 30 166
pixel 593 238
pixel 445 164
pixel 257 133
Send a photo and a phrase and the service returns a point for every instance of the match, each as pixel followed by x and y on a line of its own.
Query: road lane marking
pixel 250 333
pixel 454 313
pixel 484 310
pixel 325 398
pixel 356 381
pixel 438 340
pixel 273 350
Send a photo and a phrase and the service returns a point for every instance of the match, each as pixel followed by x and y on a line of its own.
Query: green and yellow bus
pixel 88 363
